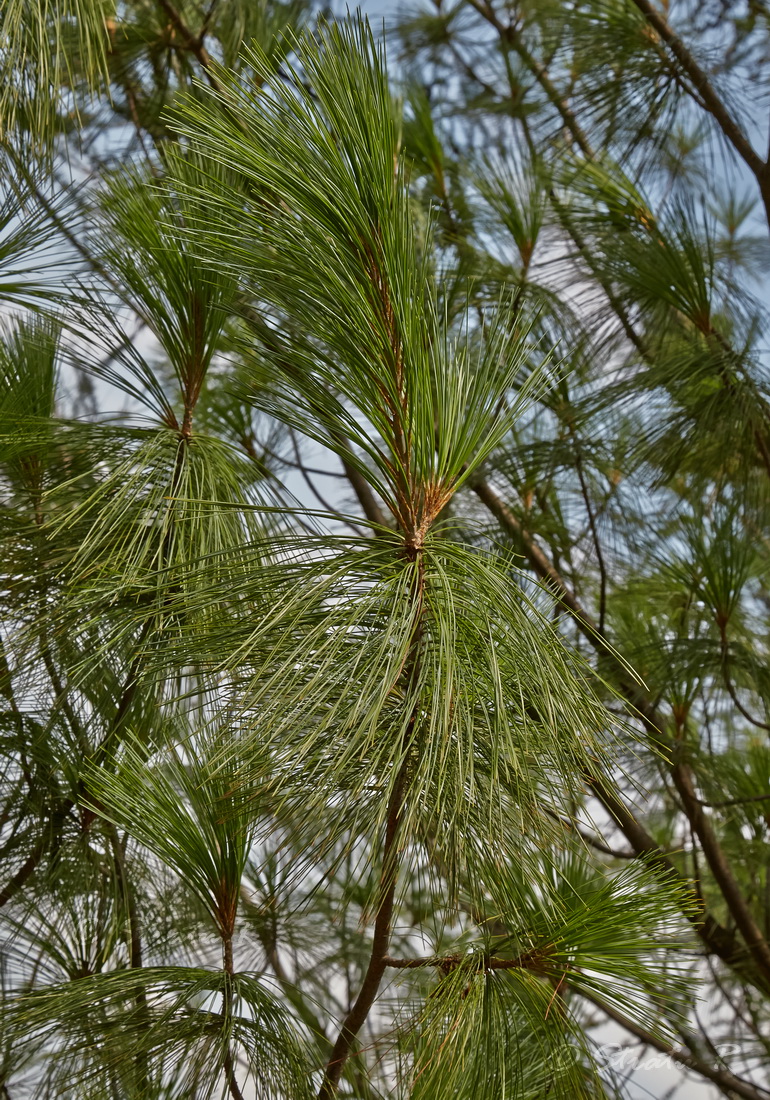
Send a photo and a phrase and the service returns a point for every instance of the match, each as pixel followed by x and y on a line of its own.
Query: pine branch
pixel 721 870
pixel 192 42
pixel 375 971
pixel 706 91
pixel 736 801
pixel 535 960
pixel 717 938
pixel 734 1086
pixel 510 36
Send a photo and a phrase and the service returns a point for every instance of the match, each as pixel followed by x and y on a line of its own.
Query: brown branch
pixel 736 801
pixel 592 842
pixel 364 494
pixel 232 1080
pixel 740 707
pixel 594 534
pixel 127 696
pixel 700 80
pixel 316 492
pixel 534 960
pixel 510 36
pixel 357 1015
pixel 541 565
pixel 194 43
pixel 731 691
pixel 717 938
pixel 207 17
pixel 134 942
pixel 247 442
pixel 735 1086
pixel 720 868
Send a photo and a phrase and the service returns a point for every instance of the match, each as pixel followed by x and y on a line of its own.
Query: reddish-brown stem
pixel 355 1019
pixel 228 1062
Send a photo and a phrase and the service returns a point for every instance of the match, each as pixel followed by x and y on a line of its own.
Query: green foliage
pixel 47 49
pixel 117 1024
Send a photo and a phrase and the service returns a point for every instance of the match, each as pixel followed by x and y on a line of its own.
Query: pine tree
pixel 398 787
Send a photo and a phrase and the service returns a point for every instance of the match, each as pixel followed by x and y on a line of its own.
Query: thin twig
pixel 734 696
pixel 192 42
pixel 736 801
pixel 312 487
pixel 594 533
pixel 535 960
